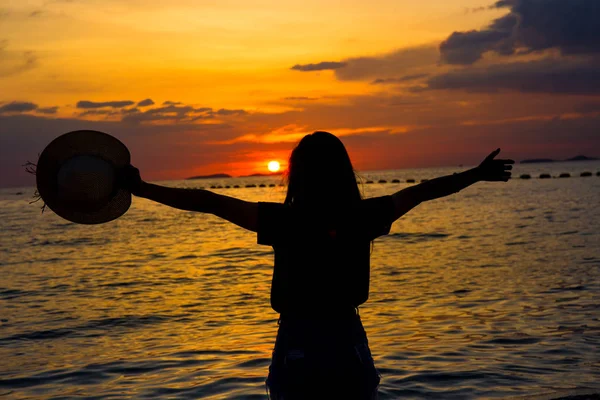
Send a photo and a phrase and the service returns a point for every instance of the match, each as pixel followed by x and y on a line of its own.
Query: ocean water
pixel 490 293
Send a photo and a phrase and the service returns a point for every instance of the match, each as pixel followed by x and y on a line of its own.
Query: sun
pixel 273 166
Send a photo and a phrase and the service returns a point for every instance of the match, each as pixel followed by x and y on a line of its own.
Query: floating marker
pixel 424 180
pixel 369 182
pixel 382 181
pixel 398 180
pixel 525 176
pixel 585 174
pixel 410 181
pixel 565 175
pixel 236 187
pixel 272 185
pixel 545 176
pixel 251 186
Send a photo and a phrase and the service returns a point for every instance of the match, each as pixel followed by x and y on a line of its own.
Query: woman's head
pixel 320 174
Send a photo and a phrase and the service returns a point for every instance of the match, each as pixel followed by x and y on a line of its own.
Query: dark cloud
pixel 112 104
pixel 570 26
pixel 17 107
pixel 588 107
pixel 226 112
pixel 35 13
pixel 322 66
pixel 467 47
pixel 171 103
pixel 394 64
pixel 392 81
pixel 145 103
pixel 551 75
pixel 171 112
pixel 47 110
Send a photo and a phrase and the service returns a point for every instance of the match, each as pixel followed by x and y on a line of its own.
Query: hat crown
pixel 85 182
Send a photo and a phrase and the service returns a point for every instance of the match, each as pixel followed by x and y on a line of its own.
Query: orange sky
pixel 234 84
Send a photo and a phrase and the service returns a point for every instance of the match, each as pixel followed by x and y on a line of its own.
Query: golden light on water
pixel 273 166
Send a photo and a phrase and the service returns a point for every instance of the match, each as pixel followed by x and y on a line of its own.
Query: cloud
pixel 549 75
pixel 104 112
pixel 130 110
pixel 35 13
pixel 299 98
pixel 292 133
pixel 390 65
pixel 171 103
pixel 47 110
pixel 321 66
pixel 15 62
pixel 145 103
pixel 588 107
pixel 226 112
pixel 530 26
pixel 466 48
pixel 17 107
pixel 113 104
pixel 473 10
pixel 171 112
pixel 402 79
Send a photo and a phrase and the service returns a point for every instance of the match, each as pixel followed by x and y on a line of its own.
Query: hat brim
pixel 77 143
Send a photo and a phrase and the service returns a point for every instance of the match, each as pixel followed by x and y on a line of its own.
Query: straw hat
pixel 77 177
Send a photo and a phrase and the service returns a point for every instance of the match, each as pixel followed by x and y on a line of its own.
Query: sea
pixel 491 293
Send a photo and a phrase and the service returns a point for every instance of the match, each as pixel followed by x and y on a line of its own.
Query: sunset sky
pixel 199 87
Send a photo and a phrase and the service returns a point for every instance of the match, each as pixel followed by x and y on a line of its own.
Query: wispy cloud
pixel 300 98
pixel 395 64
pixel 293 133
pixel 14 62
pixel 403 79
pixel 321 66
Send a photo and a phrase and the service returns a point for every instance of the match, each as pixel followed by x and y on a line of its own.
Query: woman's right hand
pixel 130 179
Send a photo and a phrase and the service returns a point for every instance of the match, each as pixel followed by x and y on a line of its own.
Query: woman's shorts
pixel 322 358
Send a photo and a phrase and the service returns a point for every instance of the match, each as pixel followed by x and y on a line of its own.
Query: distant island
pixel 253 175
pixel 217 176
pixel 548 160
pixel 209 176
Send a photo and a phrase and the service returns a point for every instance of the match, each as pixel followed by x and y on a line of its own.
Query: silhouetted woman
pixel 321 236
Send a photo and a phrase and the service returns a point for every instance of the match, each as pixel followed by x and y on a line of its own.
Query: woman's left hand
pixel 130 179
pixel 495 170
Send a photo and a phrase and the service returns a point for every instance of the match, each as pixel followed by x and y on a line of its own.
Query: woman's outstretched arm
pixel 489 170
pixel 240 212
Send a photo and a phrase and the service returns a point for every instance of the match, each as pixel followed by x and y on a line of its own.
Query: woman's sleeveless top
pixel 322 267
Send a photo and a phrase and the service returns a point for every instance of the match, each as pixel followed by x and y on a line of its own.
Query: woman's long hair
pixel 320 175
